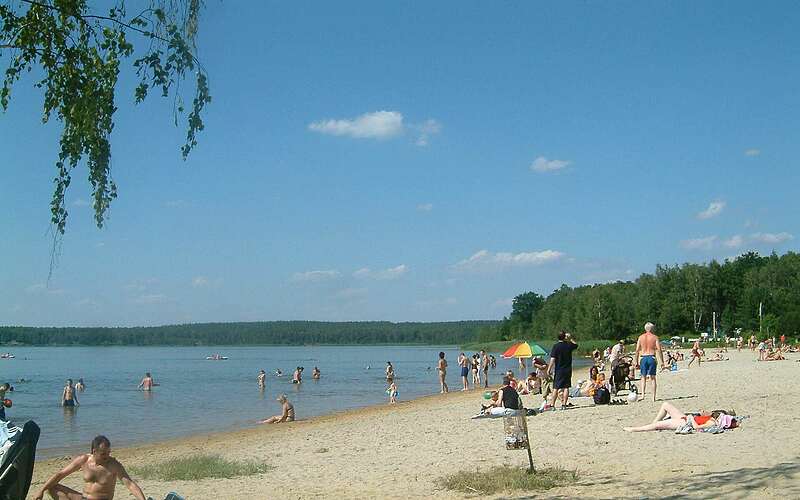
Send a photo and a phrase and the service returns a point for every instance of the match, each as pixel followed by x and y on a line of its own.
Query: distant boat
pixel 217 357
pixel 7 355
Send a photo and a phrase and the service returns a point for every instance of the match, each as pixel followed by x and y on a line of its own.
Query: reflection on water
pixel 198 395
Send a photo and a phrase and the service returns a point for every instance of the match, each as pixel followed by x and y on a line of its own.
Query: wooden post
pixel 531 470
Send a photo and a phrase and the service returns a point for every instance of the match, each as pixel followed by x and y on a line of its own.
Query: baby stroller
pixel 620 376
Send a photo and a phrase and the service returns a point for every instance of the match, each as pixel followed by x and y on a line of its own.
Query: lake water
pixel 199 396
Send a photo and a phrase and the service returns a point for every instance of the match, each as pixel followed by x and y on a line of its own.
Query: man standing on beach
pixel 616 354
pixel 646 348
pixel 561 364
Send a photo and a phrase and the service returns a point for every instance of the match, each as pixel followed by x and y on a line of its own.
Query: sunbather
pixel 101 472
pixel 287 412
pixel 676 419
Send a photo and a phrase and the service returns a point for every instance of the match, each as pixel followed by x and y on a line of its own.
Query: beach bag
pixel 602 396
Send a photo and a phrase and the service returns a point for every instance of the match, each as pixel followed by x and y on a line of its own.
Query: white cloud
pixel 377 125
pixel 771 238
pixel 542 164
pixel 435 303
pixel 484 259
pixel 153 298
pixel 425 207
pixel 175 203
pixel 503 303
pixel 80 202
pixel 705 243
pixel 352 293
pixel 384 274
pixel 315 276
pixel 140 285
pixel 41 288
pixel 752 152
pixel 200 281
pixel 86 303
pixel 734 241
pixel 425 130
pixel 714 208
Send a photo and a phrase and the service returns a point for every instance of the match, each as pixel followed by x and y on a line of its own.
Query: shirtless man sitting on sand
pixel 100 474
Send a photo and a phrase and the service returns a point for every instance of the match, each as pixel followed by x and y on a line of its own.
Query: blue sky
pixel 410 162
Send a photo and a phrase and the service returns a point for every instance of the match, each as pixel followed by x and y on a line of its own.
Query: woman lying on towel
pixel 679 419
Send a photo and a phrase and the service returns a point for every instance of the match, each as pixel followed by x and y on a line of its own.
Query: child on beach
pixel 392 392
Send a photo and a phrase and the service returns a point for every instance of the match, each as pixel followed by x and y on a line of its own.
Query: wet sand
pixel 404 450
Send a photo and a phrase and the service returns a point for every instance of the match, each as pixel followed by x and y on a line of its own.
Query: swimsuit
pixel 647 364
pixel 69 402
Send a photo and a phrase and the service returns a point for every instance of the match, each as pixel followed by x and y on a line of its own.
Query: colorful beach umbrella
pixel 538 350
pixel 524 350
pixel 520 350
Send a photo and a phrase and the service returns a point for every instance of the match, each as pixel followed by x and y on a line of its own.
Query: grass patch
pixel 505 478
pixel 196 467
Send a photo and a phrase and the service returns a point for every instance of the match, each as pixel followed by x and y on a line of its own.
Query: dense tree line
pixel 754 293
pixel 272 332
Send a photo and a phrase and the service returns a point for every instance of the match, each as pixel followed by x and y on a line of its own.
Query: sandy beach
pixel 404 450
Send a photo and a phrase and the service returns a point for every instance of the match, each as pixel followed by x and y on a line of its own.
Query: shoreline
pixel 404 450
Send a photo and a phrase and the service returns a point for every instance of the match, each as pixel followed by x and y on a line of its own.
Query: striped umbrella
pixel 524 350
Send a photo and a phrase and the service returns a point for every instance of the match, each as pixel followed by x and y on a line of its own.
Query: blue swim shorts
pixel 464 371
pixel 648 366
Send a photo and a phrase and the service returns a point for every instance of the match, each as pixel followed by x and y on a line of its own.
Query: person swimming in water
pixel 69 398
pixel 147 382
pixel 101 472
pixel 262 377
pixel 80 386
pixel 278 373
pixel 315 373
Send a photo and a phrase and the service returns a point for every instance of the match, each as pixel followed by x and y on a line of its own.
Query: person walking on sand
pixel 561 366
pixel 616 354
pixel 647 346
pixel 463 362
pixel 262 379
pixel 147 382
pixel 69 397
pixel 485 362
pixel 442 367
pixel 287 412
pixel 100 471
pixel 695 353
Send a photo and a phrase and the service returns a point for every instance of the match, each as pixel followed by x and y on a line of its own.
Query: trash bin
pixel 515 430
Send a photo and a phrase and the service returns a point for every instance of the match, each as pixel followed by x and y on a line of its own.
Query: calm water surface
pixel 199 396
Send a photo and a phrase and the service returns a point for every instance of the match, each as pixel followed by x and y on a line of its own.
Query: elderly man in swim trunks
pixel 101 472
pixel 646 349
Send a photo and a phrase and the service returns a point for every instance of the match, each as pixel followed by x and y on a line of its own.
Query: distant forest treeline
pixel 754 293
pixel 270 332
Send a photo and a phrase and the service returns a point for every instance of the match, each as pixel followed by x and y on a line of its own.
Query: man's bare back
pixel 647 344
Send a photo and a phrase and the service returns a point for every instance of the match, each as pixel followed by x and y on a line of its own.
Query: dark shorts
pixel 464 371
pixel 563 379
pixel 69 402
pixel 647 364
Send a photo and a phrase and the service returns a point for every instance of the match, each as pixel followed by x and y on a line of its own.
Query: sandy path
pixel 403 451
